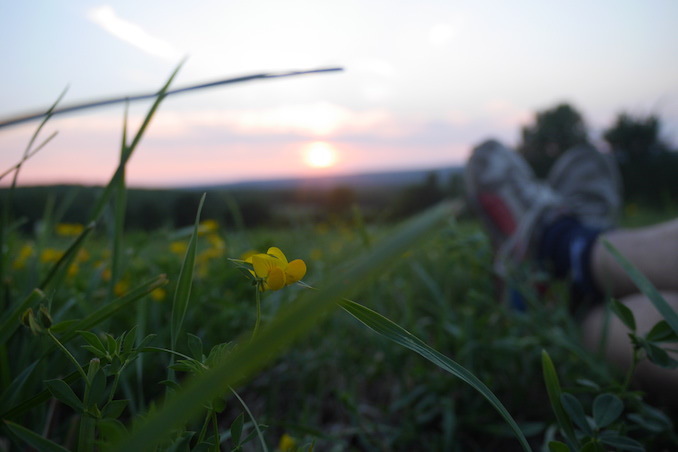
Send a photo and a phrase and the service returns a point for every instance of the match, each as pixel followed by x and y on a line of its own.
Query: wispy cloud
pixel 133 34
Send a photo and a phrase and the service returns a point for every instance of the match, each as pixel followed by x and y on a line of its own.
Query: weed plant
pixel 200 339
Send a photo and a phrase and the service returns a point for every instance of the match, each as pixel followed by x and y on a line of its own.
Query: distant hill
pixel 388 179
pixel 380 195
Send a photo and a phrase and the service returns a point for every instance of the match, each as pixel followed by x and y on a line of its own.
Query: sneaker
pixel 512 203
pixel 590 185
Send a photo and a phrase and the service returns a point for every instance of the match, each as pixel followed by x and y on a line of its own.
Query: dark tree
pixel 633 138
pixel 648 168
pixel 555 130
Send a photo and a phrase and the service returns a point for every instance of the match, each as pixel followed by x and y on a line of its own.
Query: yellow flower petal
pixel 262 265
pixel 276 279
pixel 274 251
pixel 295 271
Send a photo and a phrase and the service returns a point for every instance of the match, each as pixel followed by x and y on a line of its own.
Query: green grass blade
pixel 291 322
pixel 554 391
pixel 13 389
pixel 645 286
pixel 399 335
pixel 33 439
pixel 39 398
pixel 120 200
pixel 112 308
pixel 108 191
pixel 27 152
pixel 183 290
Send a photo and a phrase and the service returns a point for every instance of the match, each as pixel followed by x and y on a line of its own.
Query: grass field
pixel 396 339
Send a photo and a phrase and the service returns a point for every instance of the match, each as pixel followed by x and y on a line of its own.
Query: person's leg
pixel 617 348
pixel 653 250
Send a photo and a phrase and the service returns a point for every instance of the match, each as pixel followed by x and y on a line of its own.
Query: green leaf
pixel 62 392
pixel 33 439
pixel 114 409
pixel 554 392
pixel 557 446
pixel 128 340
pixel 183 290
pixel 236 429
pixel 662 332
pixel 624 313
pixel 606 409
pixel 11 319
pixel 97 389
pixel 645 287
pixel 195 346
pixel 592 446
pixel 93 340
pixel 659 356
pixel 651 419
pixel 575 410
pixel 399 335
pixel 111 430
pixel 112 345
pixel 622 443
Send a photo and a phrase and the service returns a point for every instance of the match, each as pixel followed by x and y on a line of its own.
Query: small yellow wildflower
pixel 286 443
pixel 207 227
pixel 73 270
pixel 50 255
pixel 20 261
pixel 274 270
pixel 69 229
pixel 121 288
pixel 158 294
pixel 179 247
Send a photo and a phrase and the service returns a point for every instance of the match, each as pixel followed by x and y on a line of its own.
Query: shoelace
pixel 514 248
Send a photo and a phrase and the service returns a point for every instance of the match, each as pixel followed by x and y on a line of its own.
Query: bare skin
pixel 654 251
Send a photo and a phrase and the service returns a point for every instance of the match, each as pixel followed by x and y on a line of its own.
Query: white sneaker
pixel 512 203
pixel 590 185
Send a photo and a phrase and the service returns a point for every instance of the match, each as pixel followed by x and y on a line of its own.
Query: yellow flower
pixel 158 294
pixel 69 229
pixel 178 247
pixel 25 252
pixel 50 255
pixel 274 270
pixel 207 227
pixel 121 288
pixel 287 443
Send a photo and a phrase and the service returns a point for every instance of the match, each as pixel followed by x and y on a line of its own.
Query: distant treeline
pixel 151 209
pixel 648 163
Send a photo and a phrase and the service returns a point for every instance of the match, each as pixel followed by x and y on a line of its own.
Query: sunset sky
pixel 422 81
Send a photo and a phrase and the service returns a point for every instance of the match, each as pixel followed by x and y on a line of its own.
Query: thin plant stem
pixel 215 425
pixel 254 421
pixel 632 369
pixel 69 356
pixel 258 304
pixel 204 427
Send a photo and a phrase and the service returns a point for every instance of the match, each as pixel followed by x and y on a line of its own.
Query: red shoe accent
pixel 498 212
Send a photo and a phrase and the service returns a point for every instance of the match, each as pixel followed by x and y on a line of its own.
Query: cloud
pixel 131 33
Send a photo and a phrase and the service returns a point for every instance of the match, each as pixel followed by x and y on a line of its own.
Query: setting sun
pixel 320 154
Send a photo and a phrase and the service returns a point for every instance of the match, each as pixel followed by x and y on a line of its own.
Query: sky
pixel 422 82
